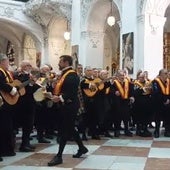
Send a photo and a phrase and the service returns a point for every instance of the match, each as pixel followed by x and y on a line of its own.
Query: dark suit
pixel 122 107
pixel 161 110
pixel 7 143
pixel 68 110
pixel 26 109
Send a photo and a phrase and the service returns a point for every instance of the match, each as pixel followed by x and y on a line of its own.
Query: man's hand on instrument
pixel 92 86
pixel 55 99
pixel 14 91
pixel 48 95
pixel 132 99
pixel 1 101
pixel 167 102
pixel 117 93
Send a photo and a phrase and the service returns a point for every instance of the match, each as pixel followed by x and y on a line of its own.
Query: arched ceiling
pixel 43 11
pixel 14 32
pixel 99 13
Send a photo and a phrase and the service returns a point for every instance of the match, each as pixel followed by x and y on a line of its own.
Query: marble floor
pixel 124 153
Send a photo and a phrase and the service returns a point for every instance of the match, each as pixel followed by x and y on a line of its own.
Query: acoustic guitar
pixel 99 85
pixel 21 91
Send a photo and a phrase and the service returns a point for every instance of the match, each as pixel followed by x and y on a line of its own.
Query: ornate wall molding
pixel 140 6
pixel 94 37
pixel 87 5
pixel 156 7
pixel 59 8
pixel 15 13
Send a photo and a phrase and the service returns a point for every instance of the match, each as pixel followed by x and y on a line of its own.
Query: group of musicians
pixel 97 102
pixel 110 101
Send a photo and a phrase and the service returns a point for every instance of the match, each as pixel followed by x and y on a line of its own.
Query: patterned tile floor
pixel 124 153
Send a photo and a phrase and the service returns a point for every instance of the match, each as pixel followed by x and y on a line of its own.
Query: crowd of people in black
pixel 78 104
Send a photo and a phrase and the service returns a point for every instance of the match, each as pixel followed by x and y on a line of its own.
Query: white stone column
pixel 45 57
pixel 45 48
pixel 150 44
pixel 139 61
pixel 75 23
pixel 92 49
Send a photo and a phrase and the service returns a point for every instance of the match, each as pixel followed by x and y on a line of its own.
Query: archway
pixel 12 32
pixel 151 21
pixel 103 40
pixel 160 9
pixel 58 45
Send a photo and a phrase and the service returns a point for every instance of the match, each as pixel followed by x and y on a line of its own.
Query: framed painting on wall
pixel 127 52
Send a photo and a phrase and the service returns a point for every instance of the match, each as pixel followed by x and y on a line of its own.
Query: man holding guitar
pixel 7 142
pixel 25 107
pixel 89 89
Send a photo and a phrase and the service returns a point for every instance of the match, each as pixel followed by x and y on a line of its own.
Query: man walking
pixel 66 96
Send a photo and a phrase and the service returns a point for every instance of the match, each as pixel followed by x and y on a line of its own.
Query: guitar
pixel 21 91
pixel 98 85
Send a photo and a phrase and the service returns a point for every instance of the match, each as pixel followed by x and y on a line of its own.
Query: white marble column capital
pixel 156 22
pixel 94 37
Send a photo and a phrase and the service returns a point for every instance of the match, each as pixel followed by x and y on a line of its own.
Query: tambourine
pixel 38 95
pixel 41 95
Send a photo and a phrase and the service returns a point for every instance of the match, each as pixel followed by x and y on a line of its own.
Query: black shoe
pixel 84 137
pixel 107 134
pixel 80 152
pixel 8 154
pixel 156 134
pixel 31 146
pixel 128 133
pixel 167 134
pixel 25 149
pixel 55 161
pixel 1 159
pixel 30 138
pixel 146 133
pixel 138 132
pixel 48 136
pixel 43 140
pixel 117 133
pixel 97 137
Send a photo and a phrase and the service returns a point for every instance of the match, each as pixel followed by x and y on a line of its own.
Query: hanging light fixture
pixel 111 19
pixel 67 33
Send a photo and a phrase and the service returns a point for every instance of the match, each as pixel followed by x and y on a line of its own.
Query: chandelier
pixel 111 19
pixel 67 33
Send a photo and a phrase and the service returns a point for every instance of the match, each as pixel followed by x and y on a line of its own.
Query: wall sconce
pixel 111 19
pixel 67 33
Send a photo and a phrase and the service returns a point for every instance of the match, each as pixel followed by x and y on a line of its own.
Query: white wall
pixel 129 24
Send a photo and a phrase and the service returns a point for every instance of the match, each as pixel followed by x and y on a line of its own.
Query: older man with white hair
pixel 26 105
pixel 6 111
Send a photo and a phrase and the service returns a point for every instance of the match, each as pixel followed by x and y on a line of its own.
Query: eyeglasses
pixel 28 65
